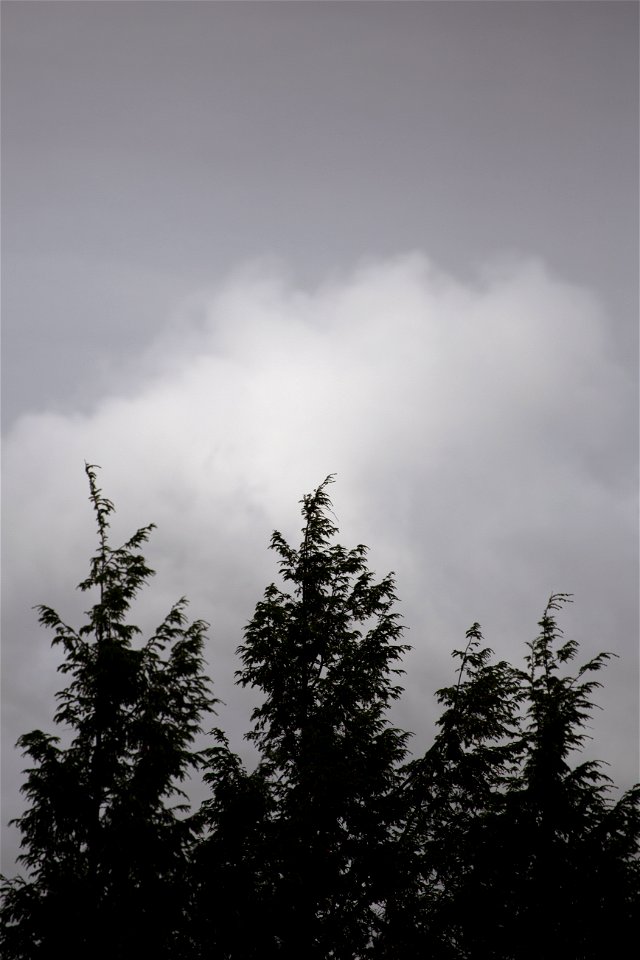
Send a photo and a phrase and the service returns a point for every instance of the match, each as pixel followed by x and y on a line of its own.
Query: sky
pixel 249 244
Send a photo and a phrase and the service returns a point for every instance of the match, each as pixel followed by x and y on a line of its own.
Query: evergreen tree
pixel 106 852
pixel 573 880
pixel 447 797
pixel 323 654
pixel 521 852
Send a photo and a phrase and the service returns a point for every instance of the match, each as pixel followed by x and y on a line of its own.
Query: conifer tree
pixel 521 852
pixel 572 878
pixel 447 797
pixel 103 839
pixel 322 651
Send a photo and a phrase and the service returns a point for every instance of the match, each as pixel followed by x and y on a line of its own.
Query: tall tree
pixel 103 839
pixel 322 651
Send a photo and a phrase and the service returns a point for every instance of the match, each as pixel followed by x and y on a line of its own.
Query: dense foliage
pixel 497 842
pixel 105 849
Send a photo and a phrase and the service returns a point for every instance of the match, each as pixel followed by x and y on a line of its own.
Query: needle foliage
pixel 498 842
pixel 104 839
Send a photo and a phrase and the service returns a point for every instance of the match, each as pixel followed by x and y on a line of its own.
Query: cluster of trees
pixel 496 843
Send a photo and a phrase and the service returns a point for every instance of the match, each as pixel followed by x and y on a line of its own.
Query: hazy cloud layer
pixel 485 447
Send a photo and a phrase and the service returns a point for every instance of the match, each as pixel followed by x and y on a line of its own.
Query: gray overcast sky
pixel 149 147
pixel 246 244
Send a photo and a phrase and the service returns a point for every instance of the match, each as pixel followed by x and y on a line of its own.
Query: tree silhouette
pixel 499 842
pixel 521 852
pixel 106 853
pixel 323 654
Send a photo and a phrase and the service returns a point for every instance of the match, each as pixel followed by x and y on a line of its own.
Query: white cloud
pixel 482 436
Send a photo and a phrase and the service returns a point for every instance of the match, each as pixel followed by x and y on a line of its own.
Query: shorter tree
pixel 569 858
pixel 448 796
pixel 520 849
pixel 106 852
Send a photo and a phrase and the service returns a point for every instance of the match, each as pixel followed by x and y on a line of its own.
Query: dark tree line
pixel 497 842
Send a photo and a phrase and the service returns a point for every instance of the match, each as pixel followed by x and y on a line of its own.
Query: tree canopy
pixel 103 838
pixel 495 842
